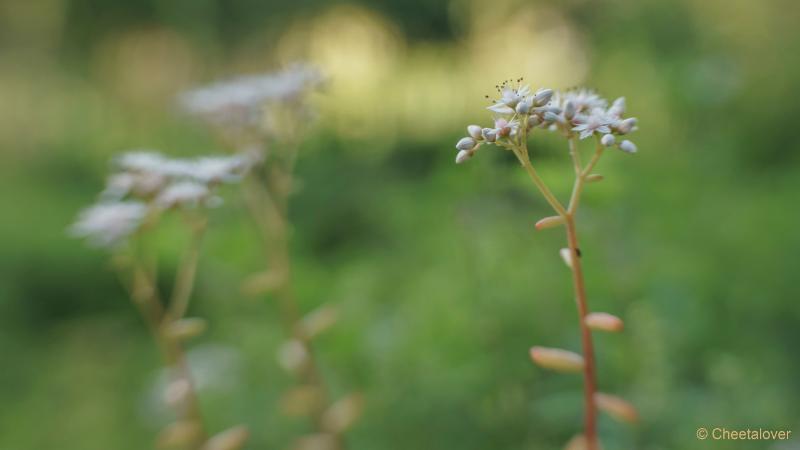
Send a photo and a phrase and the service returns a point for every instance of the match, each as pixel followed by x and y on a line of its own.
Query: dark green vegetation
pixel 442 280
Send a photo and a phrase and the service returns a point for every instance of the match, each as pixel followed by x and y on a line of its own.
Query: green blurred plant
pixel 136 201
pixel 268 116
pixel 576 115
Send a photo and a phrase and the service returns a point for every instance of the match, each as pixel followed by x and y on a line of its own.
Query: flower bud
pixel 466 143
pixel 557 359
pixel 343 414
pixel 608 140
pixel 179 434
pixel 317 321
pixel 569 109
pixel 594 178
pixel 186 328
pixel 627 146
pixel 263 283
pixel 302 401
pixel 230 439
pixel 176 392
pixel 293 356
pixel 318 441
pixel 534 120
pixel 603 322
pixel 579 442
pixel 549 222
pixel 523 107
pixel 489 134
pixel 475 132
pixel 552 117
pixel 542 97
pixel 616 407
pixel 627 125
pixel 566 255
pixel 463 155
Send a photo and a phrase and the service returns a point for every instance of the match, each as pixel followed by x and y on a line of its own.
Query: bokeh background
pixel 443 283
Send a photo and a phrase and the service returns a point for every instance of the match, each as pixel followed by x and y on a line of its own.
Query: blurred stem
pixel 267 199
pixel 184 281
pixel 143 291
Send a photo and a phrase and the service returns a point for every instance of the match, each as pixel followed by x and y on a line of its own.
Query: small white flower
pixel 512 96
pixel 584 100
pixel 509 98
pixel 503 127
pixel 596 122
pixel 109 224
pixel 489 134
pixel 501 108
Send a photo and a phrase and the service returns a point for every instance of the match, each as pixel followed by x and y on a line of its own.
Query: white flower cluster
pixel 577 111
pixel 240 102
pixel 147 180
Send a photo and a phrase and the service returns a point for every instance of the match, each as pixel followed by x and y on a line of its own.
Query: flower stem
pixel 184 282
pixel 589 379
pixel 267 200
pixel 589 371
pixel 580 178
pixel 537 180
pixel 143 292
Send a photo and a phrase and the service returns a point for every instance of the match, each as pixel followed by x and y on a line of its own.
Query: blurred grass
pixel 443 283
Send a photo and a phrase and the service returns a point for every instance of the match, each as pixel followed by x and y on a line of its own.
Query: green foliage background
pixel 443 282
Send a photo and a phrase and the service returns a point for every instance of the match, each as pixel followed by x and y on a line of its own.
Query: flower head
pixel 239 102
pixel 146 180
pixel 579 111
pixel 597 121
pixel 510 96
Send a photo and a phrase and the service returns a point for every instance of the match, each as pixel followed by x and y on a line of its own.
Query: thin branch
pixel 184 280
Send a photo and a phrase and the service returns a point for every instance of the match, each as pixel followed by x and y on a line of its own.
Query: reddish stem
pixel 589 380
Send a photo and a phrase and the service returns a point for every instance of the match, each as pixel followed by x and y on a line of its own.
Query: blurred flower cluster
pixel 147 182
pixel 581 111
pixel 251 107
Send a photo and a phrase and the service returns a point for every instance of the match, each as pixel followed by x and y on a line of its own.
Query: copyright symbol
pixel 702 433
